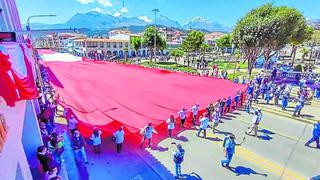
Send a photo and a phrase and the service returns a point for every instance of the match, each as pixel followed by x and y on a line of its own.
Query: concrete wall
pixel 9 17
pixel 13 155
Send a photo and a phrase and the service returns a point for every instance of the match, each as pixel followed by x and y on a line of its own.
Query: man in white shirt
pixel 216 119
pixel 147 132
pixel 119 135
pixel 255 122
pixel 183 115
pixel 170 123
pixel 204 122
pixel 194 111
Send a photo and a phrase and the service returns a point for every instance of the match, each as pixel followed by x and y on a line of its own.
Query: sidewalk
pixel 132 163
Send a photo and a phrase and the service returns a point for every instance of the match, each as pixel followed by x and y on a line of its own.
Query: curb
pixel 304 120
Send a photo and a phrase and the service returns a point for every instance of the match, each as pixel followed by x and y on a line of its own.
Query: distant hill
pixel 201 23
pixel 315 23
pixel 96 21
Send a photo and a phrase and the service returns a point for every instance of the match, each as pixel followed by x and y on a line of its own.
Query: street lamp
pixel 35 16
pixel 155 27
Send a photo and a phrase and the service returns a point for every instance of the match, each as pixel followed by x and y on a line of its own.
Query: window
pixel 125 44
pixel 101 44
pixel 114 45
pixel 120 45
pixel 108 44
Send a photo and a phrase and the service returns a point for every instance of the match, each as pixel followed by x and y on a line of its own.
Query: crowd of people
pixel 261 89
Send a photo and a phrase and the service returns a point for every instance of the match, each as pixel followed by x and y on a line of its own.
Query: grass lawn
pixel 169 65
pixel 223 64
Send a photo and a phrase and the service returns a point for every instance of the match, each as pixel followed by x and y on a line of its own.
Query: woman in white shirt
pixel 170 123
pixel 96 140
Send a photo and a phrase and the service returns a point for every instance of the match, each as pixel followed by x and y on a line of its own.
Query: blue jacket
pixel 316 130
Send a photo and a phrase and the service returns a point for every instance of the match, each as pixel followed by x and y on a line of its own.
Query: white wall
pixel 13 152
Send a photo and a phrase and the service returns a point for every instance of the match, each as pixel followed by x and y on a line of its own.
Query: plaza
pixel 120 91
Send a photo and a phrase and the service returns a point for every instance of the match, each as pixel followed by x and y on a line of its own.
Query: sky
pixel 225 12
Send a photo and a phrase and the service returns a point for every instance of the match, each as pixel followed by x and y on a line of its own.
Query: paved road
pixel 278 153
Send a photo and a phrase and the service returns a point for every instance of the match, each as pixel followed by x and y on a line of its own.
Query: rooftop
pixel 101 40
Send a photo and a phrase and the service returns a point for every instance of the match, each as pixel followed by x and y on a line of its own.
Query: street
pixel 277 153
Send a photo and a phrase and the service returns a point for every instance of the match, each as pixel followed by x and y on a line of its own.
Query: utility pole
pixel 155 27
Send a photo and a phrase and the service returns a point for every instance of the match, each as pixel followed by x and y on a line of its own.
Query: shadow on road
pixel 181 138
pixel 265 137
pixel 240 170
pixel 191 176
pixel 265 131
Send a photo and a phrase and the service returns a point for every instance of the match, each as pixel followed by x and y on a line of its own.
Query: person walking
pixel 229 150
pixel 147 132
pixel 170 123
pixel 119 136
pixel 315 135
pixel 45 158
pixel 96 140
pixel 237 100
pixel 204 122
pixel 285 100
pixel 56 147
pixel 216 120
pixel 255 122
pixel 299 106
pixel 178 157
pixel 194 111
pixel 72 124
pixel 183 115
pixel 77 144
pixel 228 104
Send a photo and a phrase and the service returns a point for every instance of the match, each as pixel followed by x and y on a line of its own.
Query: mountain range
pixel 315 23
pixel 99 21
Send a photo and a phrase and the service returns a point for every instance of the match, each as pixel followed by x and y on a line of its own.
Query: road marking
pixel 274 131
pixel 264 163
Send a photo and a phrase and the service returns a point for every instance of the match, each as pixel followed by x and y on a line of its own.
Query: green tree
pixel 136 43
pixel 300 34
pixel 148 40
pixel 176 53
pixel 204 49
pixel 224 42
pixel 192 43
pixel 265 30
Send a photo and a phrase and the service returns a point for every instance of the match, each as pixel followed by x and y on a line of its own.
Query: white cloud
pixel 145 18
pixel 124 10
pixel 117 14
pixel 105 3
pixel 85 1
pixel 99 10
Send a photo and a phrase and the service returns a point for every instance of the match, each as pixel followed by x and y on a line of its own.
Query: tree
pixel 148 40
pixel 176 53
pixel 224 42
pixel 300 34
pixel 126 52
pixel 265 30
pixel 204 48
pixel 192 43
pixel 136 43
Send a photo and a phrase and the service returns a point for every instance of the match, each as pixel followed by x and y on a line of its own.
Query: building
pixel 102 48
pixel 18 148
pixel 211 38
pixel 60 42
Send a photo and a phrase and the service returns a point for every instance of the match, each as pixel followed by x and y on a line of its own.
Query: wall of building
pixel 9 17
pixel 13 158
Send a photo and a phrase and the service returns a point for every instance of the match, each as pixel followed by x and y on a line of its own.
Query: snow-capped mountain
pixel 315 23
pixel 165 21
pixel 201 23
pixel 100 21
